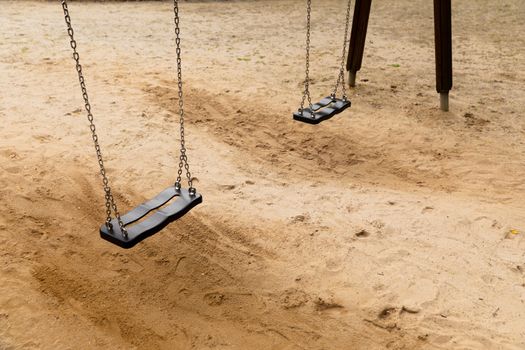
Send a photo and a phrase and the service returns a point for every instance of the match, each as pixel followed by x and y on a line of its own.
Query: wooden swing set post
pixel 443 45
pixel 357 39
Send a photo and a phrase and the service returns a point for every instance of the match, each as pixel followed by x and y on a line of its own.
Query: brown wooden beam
pixel 358 38
pixel 443 43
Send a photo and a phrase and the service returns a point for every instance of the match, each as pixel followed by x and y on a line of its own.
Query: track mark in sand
pixel 43 138
pixel 335 153
pixel 387 319
pixel 10 154
pixel 277 332
pixel 362 233
pixel 481 218
pixel 184 276
pixel 378 224
pixel 299 219
pixel 106 307
pixel 214 299
pixel 324 304
pixel 473 121
pixel 293 298
pixel 249 130
pixel 427 209
pixel 387 312
pixel 5 346
pixel 227 187
pixel 13 169
pixel 183 290
pixel 48 193
pixel 179 260
pixel 335 264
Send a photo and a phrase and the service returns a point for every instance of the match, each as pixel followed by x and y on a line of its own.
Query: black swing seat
pixel 155 222
pixel 322 110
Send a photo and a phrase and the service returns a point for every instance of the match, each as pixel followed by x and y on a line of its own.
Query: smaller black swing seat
pixel 155 222
pixel 322 110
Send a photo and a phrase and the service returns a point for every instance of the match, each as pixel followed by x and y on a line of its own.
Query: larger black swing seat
pixel 322 110
pixel 155 222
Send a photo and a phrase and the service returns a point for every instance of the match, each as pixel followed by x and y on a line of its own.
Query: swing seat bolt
pixel 192 191
pixel 177 186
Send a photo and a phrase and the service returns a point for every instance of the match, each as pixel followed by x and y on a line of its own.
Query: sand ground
pixel 387 227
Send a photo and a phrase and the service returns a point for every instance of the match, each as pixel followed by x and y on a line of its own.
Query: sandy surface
pixel 386 228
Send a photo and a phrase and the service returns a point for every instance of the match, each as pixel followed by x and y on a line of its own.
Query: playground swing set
pixel 129 229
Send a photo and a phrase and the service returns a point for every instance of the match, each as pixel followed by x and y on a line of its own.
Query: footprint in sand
pixel 334 264
pixel 378 224
pixel 10 154
pixel 214 299
pixel 293 298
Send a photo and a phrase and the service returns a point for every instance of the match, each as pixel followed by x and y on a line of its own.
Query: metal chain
pixel 110 201
pixel 306 92
pixel 341 77
pixel 183 157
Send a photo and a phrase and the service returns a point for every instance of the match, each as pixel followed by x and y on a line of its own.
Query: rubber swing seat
pixel 322 110
pixel 153 223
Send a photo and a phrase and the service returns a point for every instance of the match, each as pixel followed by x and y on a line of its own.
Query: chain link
pixel 306 92
pixel 110 201
pixel 341 76
pixel 183 158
